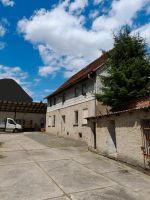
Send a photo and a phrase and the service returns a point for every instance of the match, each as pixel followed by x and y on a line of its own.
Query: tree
pixel 128 67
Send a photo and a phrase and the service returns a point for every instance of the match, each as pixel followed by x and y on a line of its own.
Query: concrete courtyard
pixel 37 166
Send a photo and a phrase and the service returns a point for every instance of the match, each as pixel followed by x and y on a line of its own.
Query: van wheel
pixel 15 130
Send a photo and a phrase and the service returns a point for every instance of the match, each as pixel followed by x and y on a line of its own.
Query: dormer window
pixel 84 89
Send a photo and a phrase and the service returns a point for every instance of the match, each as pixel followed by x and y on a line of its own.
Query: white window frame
pixel 49 121
pixel 85 114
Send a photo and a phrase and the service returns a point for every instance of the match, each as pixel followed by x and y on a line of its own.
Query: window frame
pixel 76 118
pixel 76 94
pixel 63 98
pixel 84 118
pixel 84 87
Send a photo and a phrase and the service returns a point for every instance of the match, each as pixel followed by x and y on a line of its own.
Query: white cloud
pixel 78 5
pixel 144 32
pixel 48 90
pixel 94 13
pixel 64 42
pixel 47 70
pixel 12 72
pixel 2 30
pixel 122 12
pixel 18 75
pixel 36 81
pixel 7 2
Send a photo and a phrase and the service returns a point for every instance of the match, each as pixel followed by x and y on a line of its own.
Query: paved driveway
pixel 36 166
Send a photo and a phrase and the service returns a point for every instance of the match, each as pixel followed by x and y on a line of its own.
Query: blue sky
pixel 43 42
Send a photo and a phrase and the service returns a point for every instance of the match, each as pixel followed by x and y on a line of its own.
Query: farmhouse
pixel 74 112
pixel 74 101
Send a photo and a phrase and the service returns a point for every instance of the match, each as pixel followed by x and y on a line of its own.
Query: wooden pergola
pixel 23 107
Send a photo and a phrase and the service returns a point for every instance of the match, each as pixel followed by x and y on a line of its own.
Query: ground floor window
pixel 53 120
pixel 76 117
pixel 84 116
pixel 64 119
pixel 49 121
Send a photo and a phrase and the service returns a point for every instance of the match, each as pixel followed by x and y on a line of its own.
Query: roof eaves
pixel 118 112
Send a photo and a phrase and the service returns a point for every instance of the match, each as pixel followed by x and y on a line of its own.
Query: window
pixel 49 121
pixel 76 92
pixel 54 100
pixel 76 117
pixel 11 122
pixel 53 120
pixel 85 115
pixel 63 98
pixel 84 89
pixel 64 119
pixel 50 102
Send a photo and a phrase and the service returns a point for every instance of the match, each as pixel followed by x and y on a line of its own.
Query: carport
pixel 29 115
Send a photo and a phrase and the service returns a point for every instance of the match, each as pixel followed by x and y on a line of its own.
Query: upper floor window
pixel 49 121
pixel 54 100
pixel 53 120
pixel 76 92
pixel 84 89
pixel 63 97
pixel 50 102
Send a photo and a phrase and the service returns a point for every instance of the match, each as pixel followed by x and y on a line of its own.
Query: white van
pixel 9 124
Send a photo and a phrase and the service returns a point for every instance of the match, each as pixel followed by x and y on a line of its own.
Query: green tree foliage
pixel 128 67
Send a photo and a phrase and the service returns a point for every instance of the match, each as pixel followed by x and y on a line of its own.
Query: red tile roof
pixel 83 73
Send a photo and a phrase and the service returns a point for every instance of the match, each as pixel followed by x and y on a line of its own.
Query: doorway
pixel 111 138
pixel 146 142
pixel 94 135
pixel 63 121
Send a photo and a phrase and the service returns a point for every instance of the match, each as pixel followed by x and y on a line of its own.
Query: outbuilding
pixel 124 135
pixel 15 103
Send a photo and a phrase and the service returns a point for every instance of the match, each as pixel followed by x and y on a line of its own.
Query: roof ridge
pixel 81 74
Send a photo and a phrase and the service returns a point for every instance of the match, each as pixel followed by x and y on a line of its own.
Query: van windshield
pixel 10 121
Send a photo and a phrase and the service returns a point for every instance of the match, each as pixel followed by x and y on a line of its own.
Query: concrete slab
pixel 73 177
pixel 14 157
pixel 104 166
pixel 69 152
pixel 110 193
pixel 26 182
pixel 134 181
pixel 29 144
pixel 145 195
pixel 60 198
pixel 53 141
pixel 88 157
pixel 30 170
pixel 47 154
pixel 10 146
